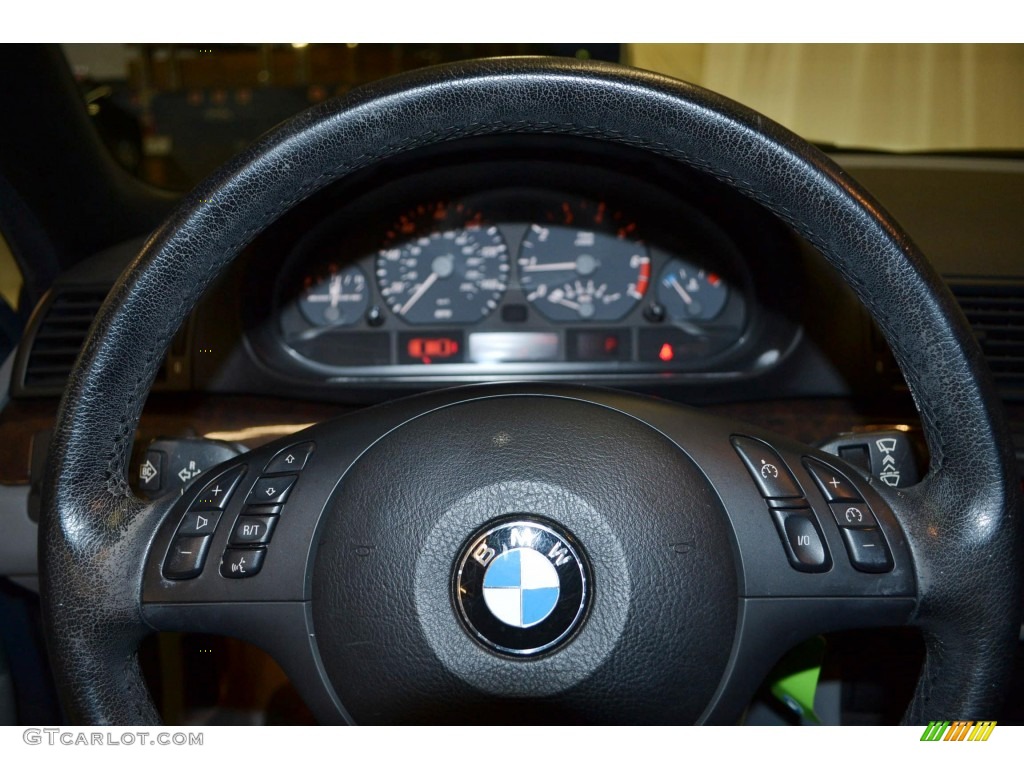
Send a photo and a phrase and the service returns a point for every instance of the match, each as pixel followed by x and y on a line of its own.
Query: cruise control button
pixel 242 563
pixel 186 557
pixel 769 471
pixel 867 549
pixel 852 514
pixel 291 459
pixel 200 522
pixel 834 485
pixel 217 492
pixel 802 540
pixel 272 490
pixel 253 529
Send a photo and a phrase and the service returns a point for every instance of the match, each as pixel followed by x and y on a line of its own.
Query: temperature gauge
pixel 338 298
pixel 690 293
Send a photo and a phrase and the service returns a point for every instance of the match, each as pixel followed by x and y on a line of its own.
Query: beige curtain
pixel 896 97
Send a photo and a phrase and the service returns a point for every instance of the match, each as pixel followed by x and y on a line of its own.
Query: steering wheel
pixel 524 552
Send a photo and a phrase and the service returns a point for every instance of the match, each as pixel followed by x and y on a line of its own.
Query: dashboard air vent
pixel 59 337
pixel 996 313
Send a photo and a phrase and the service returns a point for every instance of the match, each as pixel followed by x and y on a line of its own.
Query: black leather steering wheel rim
pixel 962 520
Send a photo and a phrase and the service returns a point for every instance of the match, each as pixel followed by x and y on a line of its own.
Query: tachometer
pixel 441 264
pixel 587 266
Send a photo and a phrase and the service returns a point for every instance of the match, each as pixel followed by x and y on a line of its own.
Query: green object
pixel 795 678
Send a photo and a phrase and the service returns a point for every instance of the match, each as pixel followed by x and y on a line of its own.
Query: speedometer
pixel 440 264
pixel 585 267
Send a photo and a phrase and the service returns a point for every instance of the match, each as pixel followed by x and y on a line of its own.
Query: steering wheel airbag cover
pixel 967 505
pixel 384 617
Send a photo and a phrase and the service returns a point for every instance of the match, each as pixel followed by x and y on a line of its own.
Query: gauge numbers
pixel 691 293
pixel 338 298
pixel 451 275
pixel 575 274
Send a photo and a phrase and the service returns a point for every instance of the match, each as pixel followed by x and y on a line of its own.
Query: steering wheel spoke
pixel 233 554
pixel 819 548
pixel 230 558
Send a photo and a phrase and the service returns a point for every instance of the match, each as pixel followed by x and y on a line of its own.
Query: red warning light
pixel 611 344
pixel 666 352
pixel 713 279
pixel 428 349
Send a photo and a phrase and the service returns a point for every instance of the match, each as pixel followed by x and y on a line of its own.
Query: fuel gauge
pixel 339 297
pixel 691 293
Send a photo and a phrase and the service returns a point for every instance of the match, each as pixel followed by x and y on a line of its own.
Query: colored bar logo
pixel 958 730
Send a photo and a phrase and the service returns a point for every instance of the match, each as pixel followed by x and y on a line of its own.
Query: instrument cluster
pixel 545 269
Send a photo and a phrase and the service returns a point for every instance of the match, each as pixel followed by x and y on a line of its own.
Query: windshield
pixel 172 113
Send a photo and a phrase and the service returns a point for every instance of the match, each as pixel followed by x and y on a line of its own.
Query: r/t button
pixel 253 529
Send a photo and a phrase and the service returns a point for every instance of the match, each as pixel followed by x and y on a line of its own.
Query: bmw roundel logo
pixel 521 587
